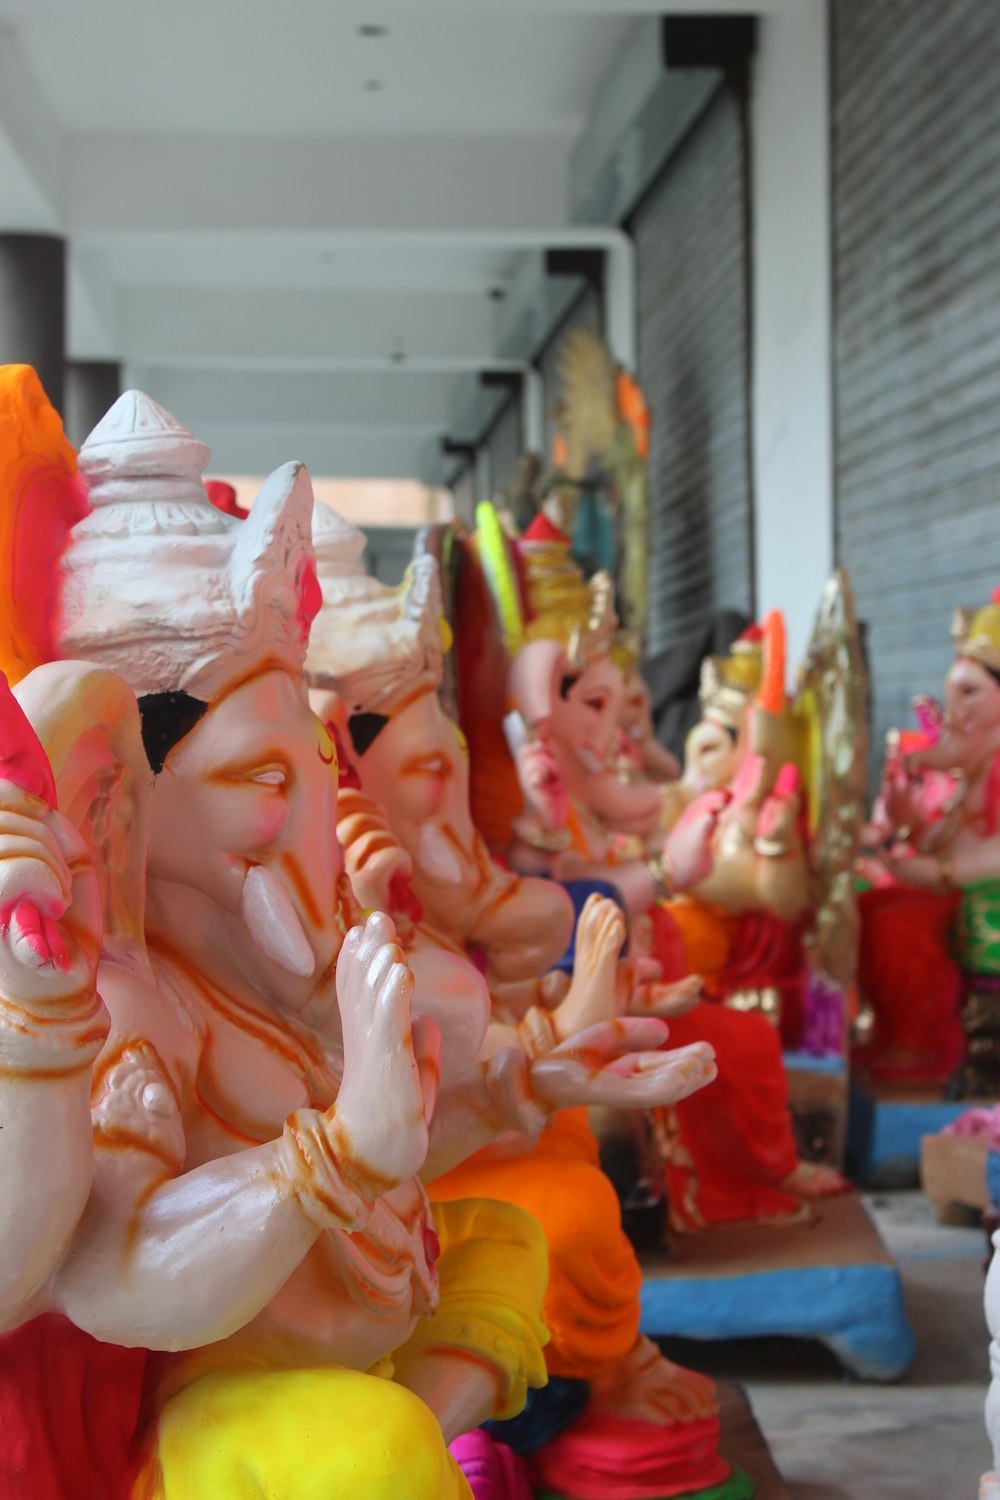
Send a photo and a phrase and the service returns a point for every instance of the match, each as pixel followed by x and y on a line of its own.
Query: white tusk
pixel 274 923
pixel 435 856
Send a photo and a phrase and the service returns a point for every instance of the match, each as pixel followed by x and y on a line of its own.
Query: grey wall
pixel 916 198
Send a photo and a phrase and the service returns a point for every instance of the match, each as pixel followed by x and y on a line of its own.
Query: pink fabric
pixel 980 1123
pixel 493 1470
pixel 600 1458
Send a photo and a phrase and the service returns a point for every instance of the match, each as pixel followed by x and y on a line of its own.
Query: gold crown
pixel 976 633
pixel 730 683
pixel 563 605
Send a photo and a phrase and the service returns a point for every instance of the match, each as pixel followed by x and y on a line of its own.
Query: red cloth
pixel 768 953
pixel 69 1406
pixel 736 1144
pixel 914 985
pixel 603 1458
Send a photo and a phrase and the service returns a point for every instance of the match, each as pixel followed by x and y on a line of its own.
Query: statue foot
pixel 813 1180
pixel 647 1387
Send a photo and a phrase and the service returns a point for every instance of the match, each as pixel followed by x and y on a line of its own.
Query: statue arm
pixel 52 1025
pixel 174 1262
pixel 173 1259
pixel 46 1153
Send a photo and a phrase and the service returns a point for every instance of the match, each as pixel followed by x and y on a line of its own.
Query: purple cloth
pixel 493 1470
pixel 823 1031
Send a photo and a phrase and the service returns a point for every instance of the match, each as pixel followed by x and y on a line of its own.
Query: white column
pixel 792 306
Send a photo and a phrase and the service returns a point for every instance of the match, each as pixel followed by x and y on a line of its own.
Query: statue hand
pixel 45 873
pixel 922 870
pixel 541 783
pixel 592 994
pixel 612 1064
pixel 688 845
pixel 778 817
pixel 654 998
pixel 379 1124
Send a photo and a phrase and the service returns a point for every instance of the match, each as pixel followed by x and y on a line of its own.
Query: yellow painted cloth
pixel 249 1431
pixel 493 1272
pixel 247 1434
pixel 592 1300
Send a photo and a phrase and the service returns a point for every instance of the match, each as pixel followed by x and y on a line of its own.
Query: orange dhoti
pixel 592 1303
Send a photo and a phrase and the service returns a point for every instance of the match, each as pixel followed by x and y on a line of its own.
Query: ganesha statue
pixel 726 845
pixel 221 1267
pixel 618 1417
pixel 929 969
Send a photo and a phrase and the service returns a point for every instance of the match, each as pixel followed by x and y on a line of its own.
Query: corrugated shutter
pixel 504 443
pixel 585 313
pixel 693 274
pixel 916 158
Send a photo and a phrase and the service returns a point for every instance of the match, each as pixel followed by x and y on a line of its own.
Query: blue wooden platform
pixel 830 1279
pixel 884 1131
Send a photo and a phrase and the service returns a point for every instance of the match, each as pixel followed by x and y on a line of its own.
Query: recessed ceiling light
pixel 497 293
pixel 373 85
pixel 372 30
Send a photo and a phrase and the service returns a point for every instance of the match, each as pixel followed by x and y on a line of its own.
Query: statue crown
pixel 730 683
pixel 165 589
pixel 976 633
pixel 370 642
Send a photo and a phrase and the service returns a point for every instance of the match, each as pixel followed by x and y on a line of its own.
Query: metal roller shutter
pixel 916 163
pixel 693 274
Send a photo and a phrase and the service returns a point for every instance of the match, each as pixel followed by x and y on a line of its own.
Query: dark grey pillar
pixel 33 307
pixel 92 388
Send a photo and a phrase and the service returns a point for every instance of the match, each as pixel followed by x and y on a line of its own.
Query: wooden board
pixel 829 1278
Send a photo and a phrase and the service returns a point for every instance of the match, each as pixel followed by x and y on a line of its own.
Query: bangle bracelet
pixel 946 873
pixel 661 873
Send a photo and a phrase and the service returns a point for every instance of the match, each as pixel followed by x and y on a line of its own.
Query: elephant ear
pixel 41 499
pixel 481 668
pixel 831 717
pixel 88 724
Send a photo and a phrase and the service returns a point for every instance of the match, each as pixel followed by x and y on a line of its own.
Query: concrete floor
pixel 921 1439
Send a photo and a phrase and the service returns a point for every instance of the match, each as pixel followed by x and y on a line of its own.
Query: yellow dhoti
pixel 258 1433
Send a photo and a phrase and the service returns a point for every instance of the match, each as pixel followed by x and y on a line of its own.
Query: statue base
pixel 829 1278
pixel 886 1126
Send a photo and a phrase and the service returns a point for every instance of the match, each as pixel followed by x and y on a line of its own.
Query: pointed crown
pixel 729 684
pixel 371 642
pixel 562 604
pixel 976 633
pixel 164 588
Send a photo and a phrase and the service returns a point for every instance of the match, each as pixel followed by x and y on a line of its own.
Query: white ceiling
pixel 294 232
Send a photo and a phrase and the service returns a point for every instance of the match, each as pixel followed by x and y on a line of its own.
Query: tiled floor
pixel 922 1439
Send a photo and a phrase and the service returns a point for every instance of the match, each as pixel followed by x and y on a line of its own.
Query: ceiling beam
pixel 32 148
pixel 174 183
pixel 182 323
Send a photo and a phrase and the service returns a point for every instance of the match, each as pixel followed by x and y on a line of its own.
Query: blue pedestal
pixel 993 1177
pixel 830 1279
pixel 884 1134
